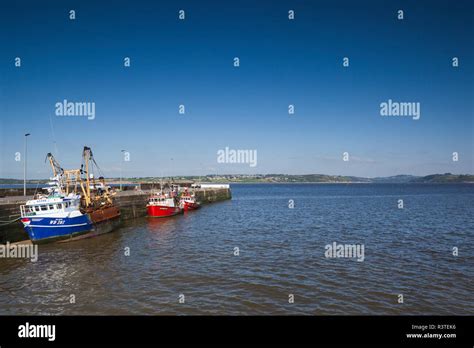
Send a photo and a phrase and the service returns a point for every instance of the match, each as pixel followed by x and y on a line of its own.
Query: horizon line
pixel 261 174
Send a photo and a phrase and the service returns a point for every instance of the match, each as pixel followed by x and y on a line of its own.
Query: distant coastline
pixel 446 178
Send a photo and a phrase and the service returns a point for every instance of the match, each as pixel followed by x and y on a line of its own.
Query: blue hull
pixel 46 229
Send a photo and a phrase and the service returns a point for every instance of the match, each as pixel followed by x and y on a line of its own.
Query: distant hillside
pixel 322 178
pixel 284 178
pixel 315 178
pixel 395 179
pixel 445 178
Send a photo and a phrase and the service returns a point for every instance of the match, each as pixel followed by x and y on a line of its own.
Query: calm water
pixel 407 251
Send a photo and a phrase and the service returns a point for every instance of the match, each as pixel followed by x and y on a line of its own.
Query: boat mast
pixel 86 155
pixel 99 198
pixel 58 172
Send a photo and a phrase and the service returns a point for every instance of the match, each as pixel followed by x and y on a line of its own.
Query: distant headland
pixel 285 178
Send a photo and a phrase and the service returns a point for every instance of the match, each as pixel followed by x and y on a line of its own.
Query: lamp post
pixel 121 163
pixel 24 164
pixel 201 167
pixel 171 168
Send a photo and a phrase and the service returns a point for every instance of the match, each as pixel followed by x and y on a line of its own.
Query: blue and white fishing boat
pixel 63 214
pixel 54 216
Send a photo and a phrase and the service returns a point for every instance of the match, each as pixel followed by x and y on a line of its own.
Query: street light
pixel 171 169
pixel 122 151
pixel 24 165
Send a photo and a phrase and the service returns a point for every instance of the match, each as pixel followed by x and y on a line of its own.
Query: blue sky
pixel 282 62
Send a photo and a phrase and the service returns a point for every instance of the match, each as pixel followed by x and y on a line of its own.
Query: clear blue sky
pixel 283 62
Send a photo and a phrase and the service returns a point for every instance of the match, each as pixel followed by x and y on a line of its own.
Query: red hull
pixel 190 206
pixel 162 211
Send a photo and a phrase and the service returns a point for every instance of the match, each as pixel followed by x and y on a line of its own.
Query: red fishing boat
pixel 162 205
pixel 188 202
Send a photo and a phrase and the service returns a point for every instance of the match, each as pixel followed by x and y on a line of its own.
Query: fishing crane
pixel 57 170
pixel 66 178
pixel 101 197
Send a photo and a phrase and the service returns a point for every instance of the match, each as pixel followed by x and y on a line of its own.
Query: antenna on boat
pixel 54 136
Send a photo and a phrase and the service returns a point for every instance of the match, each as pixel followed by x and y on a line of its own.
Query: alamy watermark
pixel 19 251
pixel 67 108
pixel 237 156
pixel 37 331
pixel 393 108
pixel 337 250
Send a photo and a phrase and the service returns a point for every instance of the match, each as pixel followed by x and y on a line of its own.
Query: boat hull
pixel 162 211
pixel 48 229
pixel 61 230
pixel 187 206
pixel 102 215
pixel 104 220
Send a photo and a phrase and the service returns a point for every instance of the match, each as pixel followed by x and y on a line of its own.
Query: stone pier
pixel 132 204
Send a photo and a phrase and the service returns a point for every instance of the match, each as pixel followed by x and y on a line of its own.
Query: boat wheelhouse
pixel 162 205
pixel 188 202
pixel 54 217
